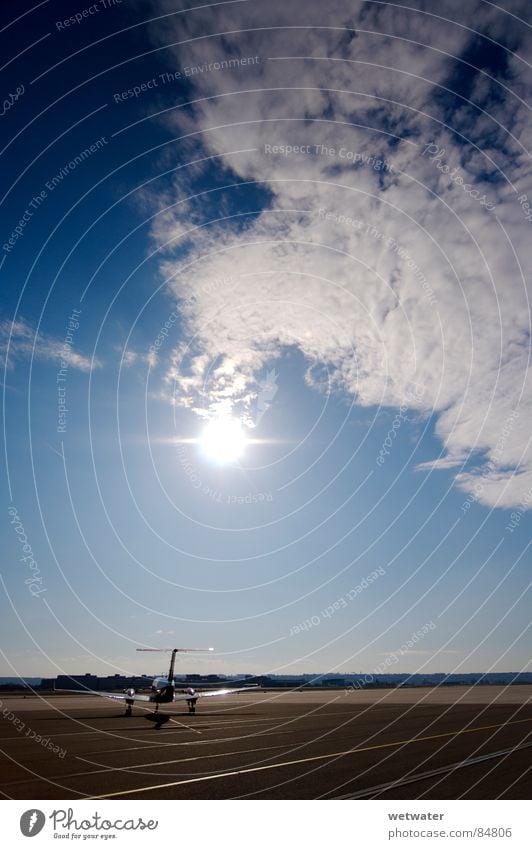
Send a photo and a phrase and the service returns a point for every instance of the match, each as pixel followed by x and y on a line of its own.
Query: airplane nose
pixel 130 692
pixel 191 691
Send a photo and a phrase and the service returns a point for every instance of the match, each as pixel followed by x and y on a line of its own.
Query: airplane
pixel 164 690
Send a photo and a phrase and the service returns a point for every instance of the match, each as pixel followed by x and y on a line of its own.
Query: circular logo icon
pixel 32 822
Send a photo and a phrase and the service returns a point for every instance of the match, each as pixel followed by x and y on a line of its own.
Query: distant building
pixel 76 682
pixel 118 682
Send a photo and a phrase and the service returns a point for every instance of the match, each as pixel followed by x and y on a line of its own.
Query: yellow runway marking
pixel 329 756
pixel 432 773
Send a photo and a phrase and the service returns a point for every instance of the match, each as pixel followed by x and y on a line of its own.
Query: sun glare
pixel 223 440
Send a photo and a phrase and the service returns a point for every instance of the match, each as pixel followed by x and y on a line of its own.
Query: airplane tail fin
pixel 176 650
pixel 172 661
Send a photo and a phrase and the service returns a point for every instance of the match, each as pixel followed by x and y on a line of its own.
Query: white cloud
pixel 384 268
pixel 18 340
pixel 129 358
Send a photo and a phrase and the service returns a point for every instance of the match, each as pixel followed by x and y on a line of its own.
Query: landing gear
pixel 191 706
pixel 129 710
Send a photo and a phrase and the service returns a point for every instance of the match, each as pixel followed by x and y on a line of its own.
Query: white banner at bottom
pixel 262 824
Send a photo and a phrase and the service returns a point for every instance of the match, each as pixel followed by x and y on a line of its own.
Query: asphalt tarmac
pixel 447 743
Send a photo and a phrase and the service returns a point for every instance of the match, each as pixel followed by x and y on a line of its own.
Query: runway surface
pixel 448 743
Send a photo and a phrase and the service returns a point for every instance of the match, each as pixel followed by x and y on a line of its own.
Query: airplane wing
pixel 117 697
pixel 202 694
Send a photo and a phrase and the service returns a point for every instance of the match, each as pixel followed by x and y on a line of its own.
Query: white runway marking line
pixel 422 776
pixel 250 734
pixel 182 725
pixel 145 745
pixel 218 722
pixel 329 756
pixel 203 724
pixel 105 769
pixel 178 760
pixel 204 742
pixel 75 733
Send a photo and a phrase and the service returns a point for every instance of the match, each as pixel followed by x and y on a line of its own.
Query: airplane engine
pixel 130 700
pixel 191 699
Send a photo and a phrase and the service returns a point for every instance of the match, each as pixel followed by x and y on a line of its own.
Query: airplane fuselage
pixel 163 691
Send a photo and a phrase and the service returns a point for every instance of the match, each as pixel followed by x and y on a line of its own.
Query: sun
pixel 223 440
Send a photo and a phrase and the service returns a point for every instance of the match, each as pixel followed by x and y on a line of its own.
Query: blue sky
pixel 315 224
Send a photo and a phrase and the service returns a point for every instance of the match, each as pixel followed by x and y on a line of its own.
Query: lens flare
pixel 223 440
